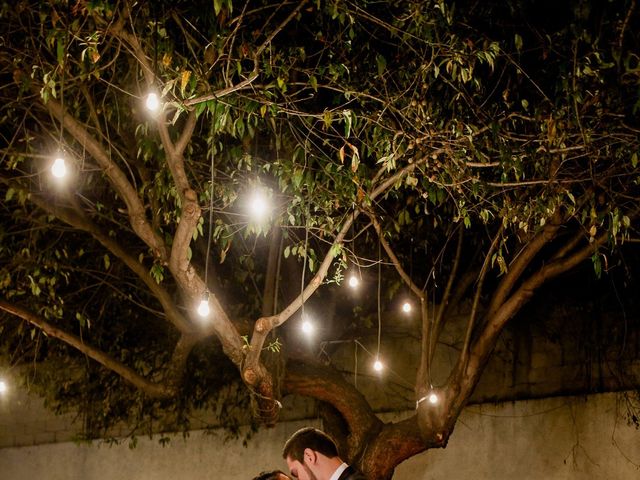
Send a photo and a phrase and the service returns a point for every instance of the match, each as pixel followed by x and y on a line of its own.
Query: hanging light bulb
pixel 203 307
pixel 378 365
pixel 59 167
pixel 307 326
pixel 406 307
pixel 432 397
pixel 353 281
pixel 258 205
pixel 152 102
pixel 3 387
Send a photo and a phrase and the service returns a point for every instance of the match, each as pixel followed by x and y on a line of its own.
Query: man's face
pixel 299 470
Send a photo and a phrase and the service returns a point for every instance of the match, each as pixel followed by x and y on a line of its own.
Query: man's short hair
pixel 312 438
pixel 274 475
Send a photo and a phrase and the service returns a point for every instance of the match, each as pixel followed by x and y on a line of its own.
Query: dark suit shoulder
pixel 351 474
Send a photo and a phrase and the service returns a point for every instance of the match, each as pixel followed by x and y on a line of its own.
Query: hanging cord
pixel 355 366
pixel 355 261
pixel 63 67
pixel 411 260
pixel 155 43
pixel 212 167
pixel 306 240
pixel 304 262
pixel 379 309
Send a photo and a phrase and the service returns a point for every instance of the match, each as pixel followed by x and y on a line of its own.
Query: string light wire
pixel 212 167
pixel 354 281
pixel 379 308
pixel 304 263
pixel 59 168
pixel 305 210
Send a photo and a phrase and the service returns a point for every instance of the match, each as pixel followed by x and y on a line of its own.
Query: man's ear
pixel 310 456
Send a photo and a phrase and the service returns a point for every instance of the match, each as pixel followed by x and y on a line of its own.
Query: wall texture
pixel 558 438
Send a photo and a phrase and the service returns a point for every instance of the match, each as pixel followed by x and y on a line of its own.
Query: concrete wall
pixel 559 438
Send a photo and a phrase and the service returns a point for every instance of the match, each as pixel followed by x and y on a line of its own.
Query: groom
pixel 312 455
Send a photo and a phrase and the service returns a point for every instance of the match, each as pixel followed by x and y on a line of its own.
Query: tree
pixel 504 141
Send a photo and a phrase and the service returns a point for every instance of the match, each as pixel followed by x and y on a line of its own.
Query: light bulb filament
pixel 377 365
pixel 152 102
pixel 59 168
pixel 307 327
pixel 203 307
pixel 258 205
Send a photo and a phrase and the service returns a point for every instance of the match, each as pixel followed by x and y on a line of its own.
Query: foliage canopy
pixel 477 142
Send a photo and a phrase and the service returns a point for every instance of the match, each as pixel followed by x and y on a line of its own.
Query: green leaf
pixel 107 261
pixel 60 50
pixel 597 264
pixel 217 6
pixel 518 42
pixel 327 118
pixel 348 121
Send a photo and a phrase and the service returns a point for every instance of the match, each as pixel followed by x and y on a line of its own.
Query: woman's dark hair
pixel 274 475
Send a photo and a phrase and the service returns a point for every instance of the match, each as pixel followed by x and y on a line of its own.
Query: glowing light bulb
pixel 433 398
pixel 59 168
pixel 377 365
pixel 258 205
pixel 3 387
pixel 406 307
pixel 354 281
pixel 307 327
pixel 203 308
pixel 152 102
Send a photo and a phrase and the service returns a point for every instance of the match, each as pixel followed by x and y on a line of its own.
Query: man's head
pixel 274 475
pixel 311 455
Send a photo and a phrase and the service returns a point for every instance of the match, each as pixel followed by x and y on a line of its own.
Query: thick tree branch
pixel 173 153
pixel 569 245
pixel 179 264
pixel 187 133
pixel 264 325
pixel 469 374
pixel 253 371
pixel 395 443
pixel 191 283
pixel 80 221
pixel 521 262
pixel 125 190
pixel 423 375
pixel 328 385
pixel 150 388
